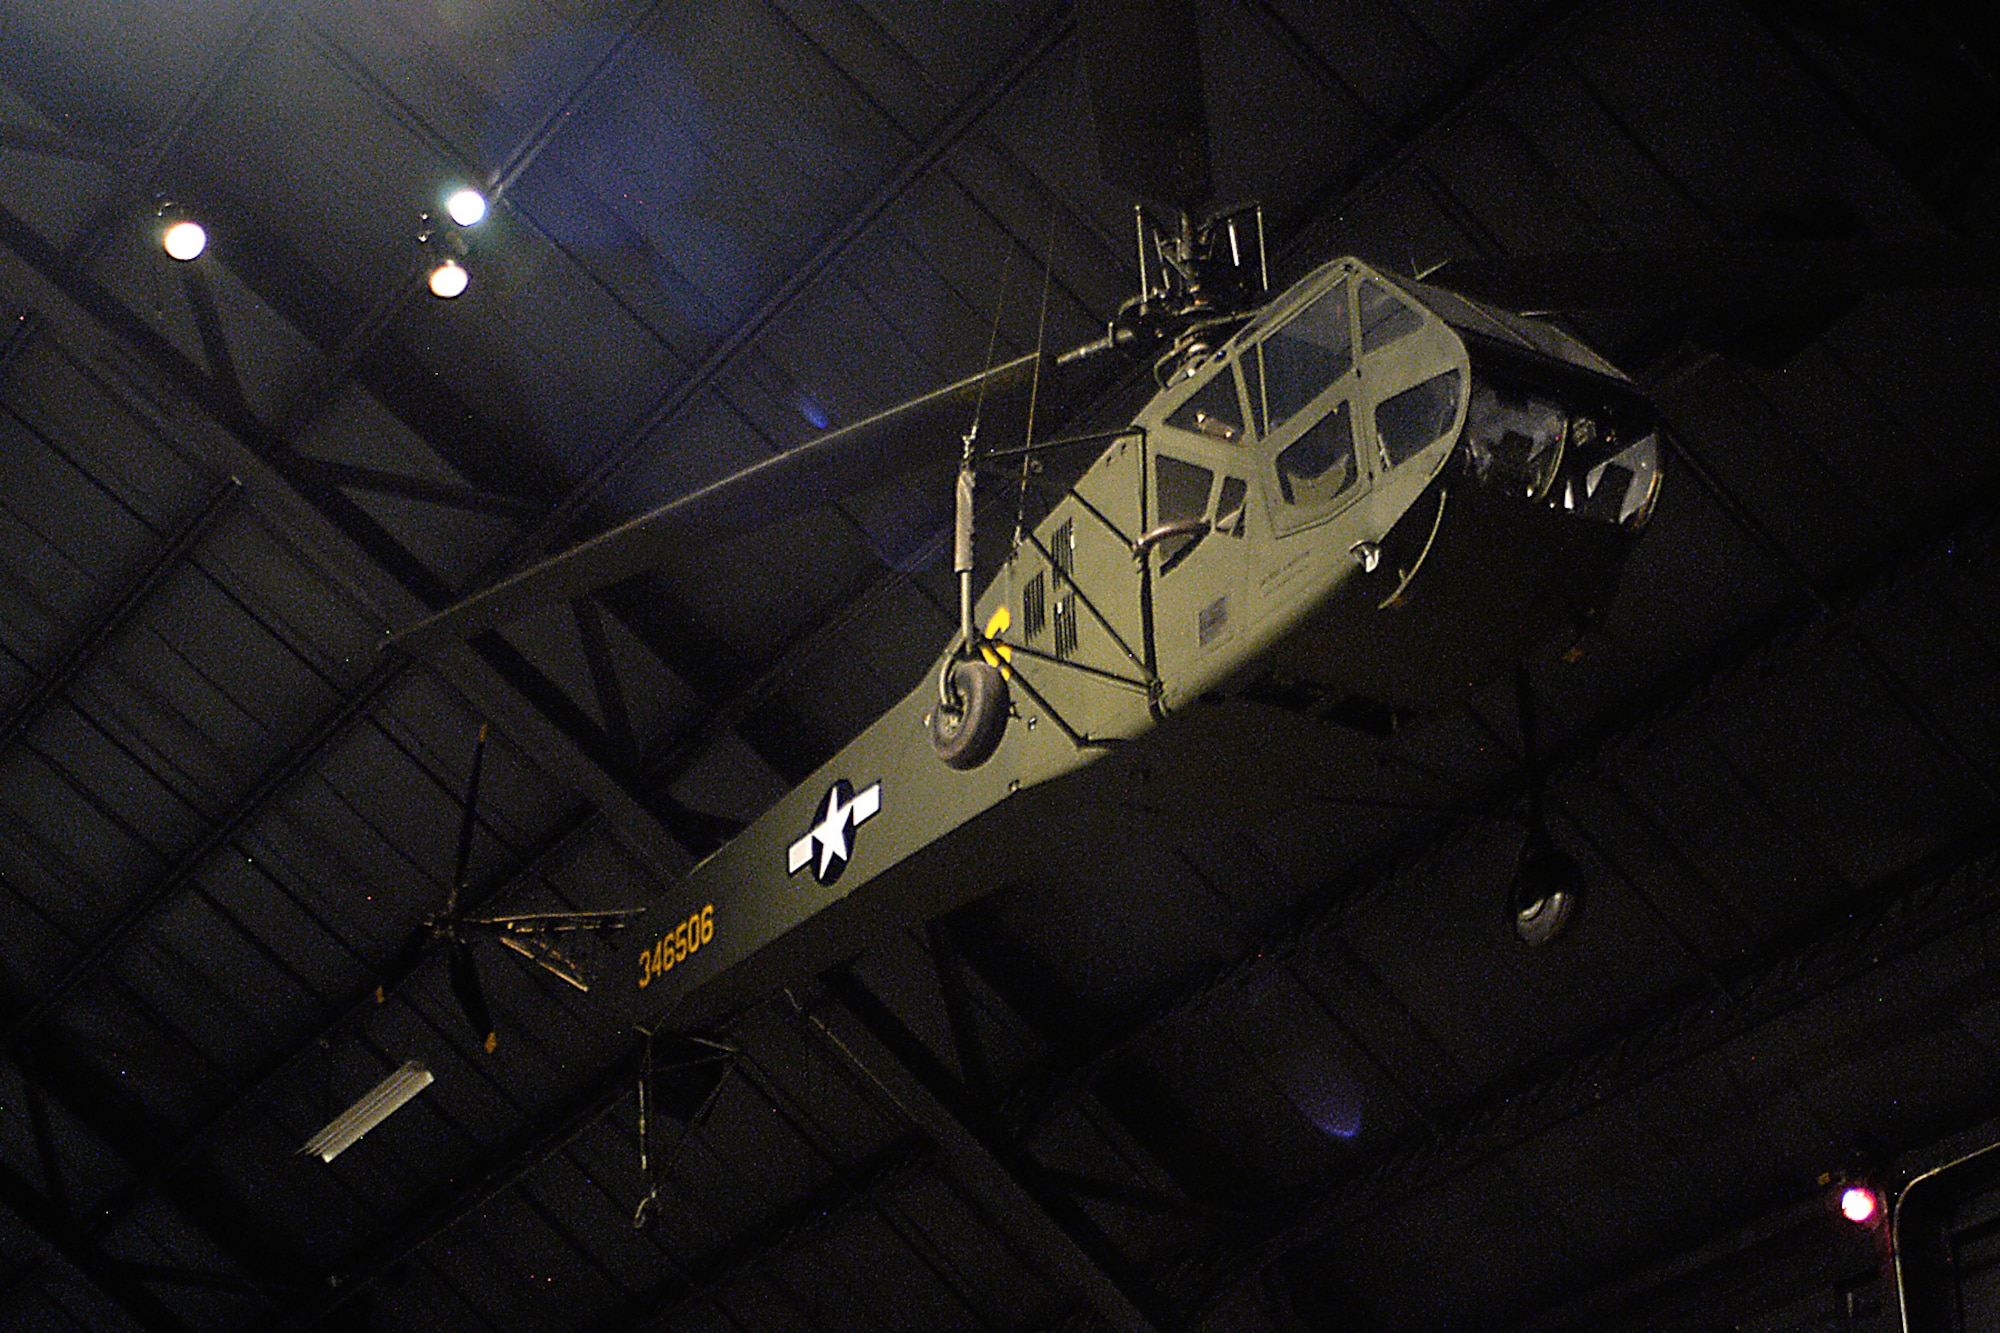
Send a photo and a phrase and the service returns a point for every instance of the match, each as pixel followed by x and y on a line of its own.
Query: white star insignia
pixel 829 844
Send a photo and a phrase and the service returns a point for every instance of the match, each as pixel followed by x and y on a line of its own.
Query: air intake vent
pixel 1063 549
pixel 1035 605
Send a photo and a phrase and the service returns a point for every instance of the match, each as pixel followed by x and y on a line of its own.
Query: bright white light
pixel 184 240
pixel 1857 1204
pixel 467 207
pixel 449 279
pixel 382 1101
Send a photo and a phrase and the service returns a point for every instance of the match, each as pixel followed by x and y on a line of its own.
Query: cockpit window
pixel 1515 439
pixel 1408 421
pixel 1385 316
pixel 1301 360
pixel 1315 469
pixel 1211 410
pixel 1180 492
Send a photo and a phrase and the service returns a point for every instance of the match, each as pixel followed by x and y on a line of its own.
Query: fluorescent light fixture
pixel 380 1103
pixel 467 207
pixel 184 240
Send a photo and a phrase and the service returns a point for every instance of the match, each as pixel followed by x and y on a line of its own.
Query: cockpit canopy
pixel 1352 375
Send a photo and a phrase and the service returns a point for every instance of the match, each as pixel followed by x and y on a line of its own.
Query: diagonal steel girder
pixel 1053 31
pixel 75 656
pixel 105 1272
pixel 564 832
pixel 298 495
pixel 984 1152
pixel 754 1248
pixel 249 806
pixel 1956 890
pixel 490 1176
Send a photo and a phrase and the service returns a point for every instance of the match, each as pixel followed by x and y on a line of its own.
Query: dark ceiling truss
pixel 112 1116
pixel 849 1190
pixel 989 1179
pixel 496 1172
pixel 988 1157
pixel 55 676
pixel 846 1187
pixel 96 1107
pixel 45 142
pixel 369 352
pixel 1472 1130
pixel 227 409
pixel 784 741
pixel 119 1281
pixel 1939 170
pixel 223 831
pixel 1742 1274
pixel 141 168
pixel 1849 944
pixel 350 1017
pixel 741 340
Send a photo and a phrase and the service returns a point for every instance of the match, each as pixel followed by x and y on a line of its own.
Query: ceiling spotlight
pixel 1859 1204
pixel 466 207
pixel 382 1101
pixel 448 278
pixel 184 240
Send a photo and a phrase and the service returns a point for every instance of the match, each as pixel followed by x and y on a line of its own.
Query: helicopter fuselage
pixel 1366 500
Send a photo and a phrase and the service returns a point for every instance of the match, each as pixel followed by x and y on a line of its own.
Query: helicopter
pixel 1341 506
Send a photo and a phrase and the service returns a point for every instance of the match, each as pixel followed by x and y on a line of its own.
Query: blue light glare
pixel 1323 1092
pixel 814 414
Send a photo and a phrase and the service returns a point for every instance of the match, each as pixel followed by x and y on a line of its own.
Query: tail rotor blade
pixel 471 995
pixel 461 868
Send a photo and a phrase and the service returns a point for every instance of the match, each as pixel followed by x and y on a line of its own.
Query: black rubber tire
pixel 1547 893
pixel 967 737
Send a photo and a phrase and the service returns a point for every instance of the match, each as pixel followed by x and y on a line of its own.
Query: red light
pixel 1858 1204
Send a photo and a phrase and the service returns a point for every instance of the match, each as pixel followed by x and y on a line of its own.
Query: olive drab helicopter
pixel 1346 501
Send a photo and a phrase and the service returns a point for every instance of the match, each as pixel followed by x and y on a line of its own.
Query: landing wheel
pixel 1547 893
pixel 967 730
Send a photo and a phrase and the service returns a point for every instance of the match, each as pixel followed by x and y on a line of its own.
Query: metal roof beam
pixel 111 1276
pixel 247 807
pixel 298 494
pixel 986 1157
pixel 756 1247
pixel 520 1154
pixel 108 1112
pixel 76 656
pixel 1957 890
pixel 730 349
pixel 350 1016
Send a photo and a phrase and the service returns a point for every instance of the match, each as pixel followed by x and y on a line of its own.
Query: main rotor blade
pixel 462 865
pixel 835 465
pixel 471 995
pixel 544 923
pixel 1143 62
